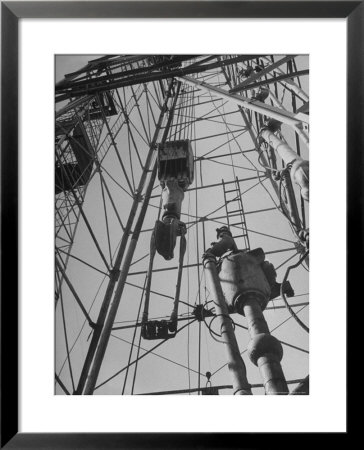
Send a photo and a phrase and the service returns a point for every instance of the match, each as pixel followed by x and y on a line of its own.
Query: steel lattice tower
pixel 246 118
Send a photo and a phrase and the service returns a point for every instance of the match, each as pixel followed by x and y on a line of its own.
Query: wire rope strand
pixel 198 277
pixel 188 296
pixel 293 314
pixel 141 357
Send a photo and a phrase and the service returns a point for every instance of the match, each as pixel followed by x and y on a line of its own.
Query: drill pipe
pixel 264 350
pixel 299 170
pixel 235 362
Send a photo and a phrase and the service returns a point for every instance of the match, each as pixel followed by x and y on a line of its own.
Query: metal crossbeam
pixel 246 84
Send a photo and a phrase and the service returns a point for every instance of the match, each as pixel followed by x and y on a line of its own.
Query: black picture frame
pixel 11 12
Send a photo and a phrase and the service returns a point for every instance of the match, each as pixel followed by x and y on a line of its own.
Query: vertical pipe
pixel 235 362
pixel 292 206
pixel 299 170
pixel 264 350
pixel 149 281
pixel 291 200
pixel 182 250
pixel 283 149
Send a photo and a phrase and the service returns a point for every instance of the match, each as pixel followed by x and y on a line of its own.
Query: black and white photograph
pixel 181 199
pixel 181 224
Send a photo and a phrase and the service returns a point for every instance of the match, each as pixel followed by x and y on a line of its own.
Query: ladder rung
pixel 234 215
pixel 235 210
pixel 232 190
pixel 239 223
pixel 240 235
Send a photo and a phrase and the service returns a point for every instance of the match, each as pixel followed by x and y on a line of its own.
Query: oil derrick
pixel 125 139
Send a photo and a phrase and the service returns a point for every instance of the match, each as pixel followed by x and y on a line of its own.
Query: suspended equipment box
pixel 175 162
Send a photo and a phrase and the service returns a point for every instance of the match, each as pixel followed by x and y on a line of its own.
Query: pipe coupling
pixel 263 344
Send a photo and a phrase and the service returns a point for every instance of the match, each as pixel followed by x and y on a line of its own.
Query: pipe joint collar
pixel 262 345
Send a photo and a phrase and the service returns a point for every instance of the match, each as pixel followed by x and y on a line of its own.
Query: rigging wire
pixel 137 362
pixel 257 171
pixel 274 329
pixel 207 294
pixel 88 311
pixel 159 293
pixel 142 356
pixel 232 165
pixel 66 337
pixel 134 334
pixel 293 314
pixel 212 332
pixel 198 277
pixel 255 167
pixel 83 325
pixel 59 381
pixel 155 354
pixel 286 261
pixel 188 296
pixel 293 225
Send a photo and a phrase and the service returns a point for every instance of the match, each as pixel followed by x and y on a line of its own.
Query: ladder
pixel 235 212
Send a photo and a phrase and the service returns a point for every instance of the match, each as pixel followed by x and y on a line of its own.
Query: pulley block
pixel 175 162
